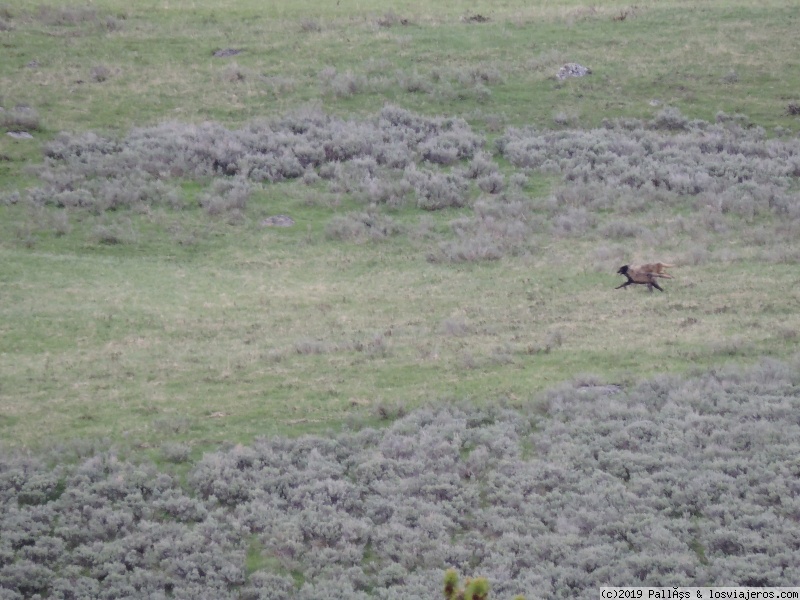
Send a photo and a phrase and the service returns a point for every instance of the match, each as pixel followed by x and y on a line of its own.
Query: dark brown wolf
pixel 645 275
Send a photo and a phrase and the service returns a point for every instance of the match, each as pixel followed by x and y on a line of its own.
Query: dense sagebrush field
pixel 316 301
pixel 671 482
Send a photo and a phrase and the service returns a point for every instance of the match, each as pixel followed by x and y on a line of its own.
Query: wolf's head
pixel 623 270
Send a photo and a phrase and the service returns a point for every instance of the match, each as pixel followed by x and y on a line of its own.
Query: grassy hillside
pixel 440 308
pixel 111 64
pixel 142 299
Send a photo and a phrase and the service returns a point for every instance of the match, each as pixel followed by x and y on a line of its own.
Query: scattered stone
pixel 278 221
pixel 34 64
pixel 225 52
pixel 20 135
pixel 572 70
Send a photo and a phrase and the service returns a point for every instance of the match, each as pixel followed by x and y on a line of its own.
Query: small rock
pixel 572 70
pixel 20 135
pixel 278 221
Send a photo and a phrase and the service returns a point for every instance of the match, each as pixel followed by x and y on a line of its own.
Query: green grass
pixel 271 334
pixel 735 57
pixel 195 330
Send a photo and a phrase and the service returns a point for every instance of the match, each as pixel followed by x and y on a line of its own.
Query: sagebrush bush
pixel 493 183
pixel 573 222
pixel 361 227
pixel 377 190
pixel 695 158
pixel 100 73
pixel 263 151
pixel 413 82
pixel 670 118
pixel 621 229
pixel 66 15
pixel 341 85
pixel 615 181
pixel 175 452
pixel 309 25
pixel 225 196
pixel 481 165
pixel 436 190
pixel 114 232
pixel 20 118
pixel 503 224
pixel 665 482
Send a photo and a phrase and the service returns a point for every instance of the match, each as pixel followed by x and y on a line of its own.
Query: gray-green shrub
pixel 665 482
pixel 20 118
